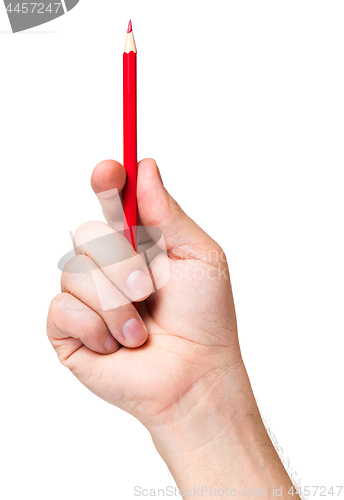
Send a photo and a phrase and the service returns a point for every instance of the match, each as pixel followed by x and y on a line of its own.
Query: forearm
pixel 222 444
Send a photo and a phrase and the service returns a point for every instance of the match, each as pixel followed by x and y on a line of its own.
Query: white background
pixel 242 105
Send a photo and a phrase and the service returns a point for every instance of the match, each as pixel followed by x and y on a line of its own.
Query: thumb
pixel 158 209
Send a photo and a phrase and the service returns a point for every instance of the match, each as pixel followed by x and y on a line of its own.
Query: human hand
pixel 176 363
pixel 187 333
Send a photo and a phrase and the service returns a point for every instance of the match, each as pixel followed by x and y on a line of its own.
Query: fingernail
pixel 111 344
pixel 139 284
pixel 134 331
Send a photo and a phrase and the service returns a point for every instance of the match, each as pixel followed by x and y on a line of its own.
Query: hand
pixel 176 363
pixel 187 333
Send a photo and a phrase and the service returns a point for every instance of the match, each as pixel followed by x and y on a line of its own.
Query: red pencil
pixel 130 137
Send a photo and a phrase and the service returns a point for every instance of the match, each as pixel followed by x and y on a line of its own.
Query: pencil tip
pixel 130 27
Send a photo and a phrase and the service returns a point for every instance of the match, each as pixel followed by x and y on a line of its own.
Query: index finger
pixel 107 181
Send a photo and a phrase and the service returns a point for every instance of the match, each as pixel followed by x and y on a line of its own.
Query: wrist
pixel 219 402
pixel 222 441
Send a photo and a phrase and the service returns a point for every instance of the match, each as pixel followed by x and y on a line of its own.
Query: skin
pixel 176 365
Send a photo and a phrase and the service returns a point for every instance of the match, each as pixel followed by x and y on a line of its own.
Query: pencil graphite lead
pixel 130 42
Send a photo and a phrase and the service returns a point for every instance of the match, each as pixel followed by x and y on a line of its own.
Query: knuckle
pixel 58 309
pixel 80 264
pixel 75 264
pixel 61 306
pixel 89 231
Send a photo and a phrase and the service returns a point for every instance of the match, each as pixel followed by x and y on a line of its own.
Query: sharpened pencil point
pixel 129 41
